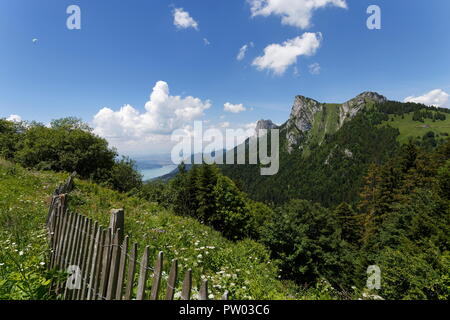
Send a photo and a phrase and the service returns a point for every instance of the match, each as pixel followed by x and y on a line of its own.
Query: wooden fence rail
pixel 102 264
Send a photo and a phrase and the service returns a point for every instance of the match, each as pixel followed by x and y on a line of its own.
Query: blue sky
pixel 125 47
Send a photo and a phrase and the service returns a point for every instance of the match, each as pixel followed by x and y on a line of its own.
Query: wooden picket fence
pixel 101 261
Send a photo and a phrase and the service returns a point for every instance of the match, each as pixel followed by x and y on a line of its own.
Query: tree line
pixel 67 145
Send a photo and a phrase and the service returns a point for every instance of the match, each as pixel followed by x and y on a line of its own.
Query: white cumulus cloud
pixel 297 13
pixel 234 108
pixel 14 118
pixel 128 128
pixel 437 97
pixel 183 20
pixel 278 57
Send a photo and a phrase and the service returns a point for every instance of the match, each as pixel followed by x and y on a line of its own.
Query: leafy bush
pixel 65 149
pixel 9 137
pixel 232 216
pixel 68 145
pixel 213 199
pixel 125 177
pixel 306 239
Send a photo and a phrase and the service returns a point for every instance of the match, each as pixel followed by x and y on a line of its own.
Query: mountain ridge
pixel 304 111
pixel 326 148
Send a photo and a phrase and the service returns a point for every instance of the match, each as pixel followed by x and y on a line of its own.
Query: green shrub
pixel 306 239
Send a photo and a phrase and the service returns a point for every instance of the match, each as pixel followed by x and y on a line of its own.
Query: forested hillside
pixel 370 190
pixel 326 162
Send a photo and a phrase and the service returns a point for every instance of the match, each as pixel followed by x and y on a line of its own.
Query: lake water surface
pixel 157 172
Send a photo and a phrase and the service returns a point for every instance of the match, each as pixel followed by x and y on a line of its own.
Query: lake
pixel 157 171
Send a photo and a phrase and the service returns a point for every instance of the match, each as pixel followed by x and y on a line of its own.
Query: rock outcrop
pixel 301 120
pixel 265 124
pixel 350 108
pixel 302 113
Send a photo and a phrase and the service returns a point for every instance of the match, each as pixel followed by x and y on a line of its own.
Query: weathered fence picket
pixel 171 283
pixel 157 274
pixel 121 270
pixel 187 284
pixel 143 271
pixel 114 271
pixel 131 272
pixel 104 262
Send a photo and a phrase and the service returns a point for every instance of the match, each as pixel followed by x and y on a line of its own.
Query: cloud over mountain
pixel 278 57
pixel 437 97
pixel 14 118
pixel 163 114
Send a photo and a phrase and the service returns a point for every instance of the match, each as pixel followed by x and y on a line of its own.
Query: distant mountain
pixel 171 174
pixel 174 172
pixel 265 124
pixel 152 161
pixel 311 121
pixel 326 148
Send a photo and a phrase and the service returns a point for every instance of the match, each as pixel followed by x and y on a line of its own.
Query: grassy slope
pixel 243 268
pixel 325 122
pixel 412 129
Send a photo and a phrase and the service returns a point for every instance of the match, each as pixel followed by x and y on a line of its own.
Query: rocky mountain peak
pixel 301 120
pixel 350 108
pixel 265 124
pixel 302 113
pixel 374 96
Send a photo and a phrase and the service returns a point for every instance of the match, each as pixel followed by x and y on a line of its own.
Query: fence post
pixel 96 263
pixel 157 273
pixel 123 261
pixel 89 272
pixel 117 223
pixel 143 275
pixel 131 272
pixel 203 294
pixel 171 283
pixel 114 271
pixel 187 284
pixel 106 265
pixel 225 295
pixel 117 226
